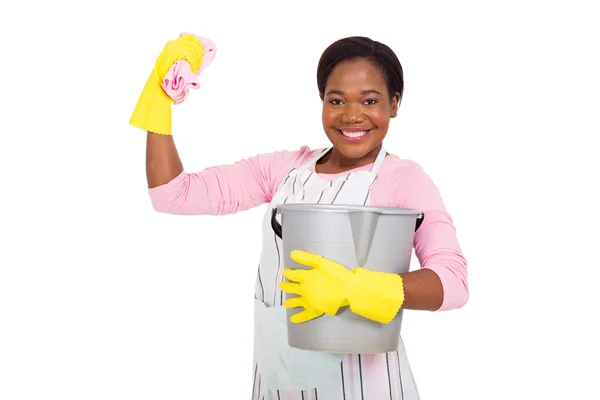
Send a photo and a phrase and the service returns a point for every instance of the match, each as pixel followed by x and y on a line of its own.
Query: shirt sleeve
pixel 435 243
pixel 226 189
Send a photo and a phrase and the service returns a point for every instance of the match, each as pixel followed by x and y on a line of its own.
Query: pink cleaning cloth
pixel 180 78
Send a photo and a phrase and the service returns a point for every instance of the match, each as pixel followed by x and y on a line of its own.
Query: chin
pixel 354 151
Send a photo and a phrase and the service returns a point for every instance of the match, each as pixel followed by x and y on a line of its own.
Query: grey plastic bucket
pixel 376 238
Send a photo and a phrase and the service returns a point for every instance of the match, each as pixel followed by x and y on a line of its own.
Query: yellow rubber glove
pixel 328 286
pixel 153 110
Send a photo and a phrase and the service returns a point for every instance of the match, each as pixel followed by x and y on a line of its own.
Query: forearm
pixel 380 295
pixel 162 160
pixel 422 290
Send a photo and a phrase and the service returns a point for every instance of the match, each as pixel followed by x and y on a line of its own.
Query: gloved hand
pixel 153 110
pixel 328 286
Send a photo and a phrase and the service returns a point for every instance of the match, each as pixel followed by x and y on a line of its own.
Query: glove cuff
pixel 153 110
pixel 377 296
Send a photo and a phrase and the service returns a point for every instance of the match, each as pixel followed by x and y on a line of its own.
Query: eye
pixel 371 102
pixel 335 102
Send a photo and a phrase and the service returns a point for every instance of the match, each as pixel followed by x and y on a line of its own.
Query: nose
pixel 353 114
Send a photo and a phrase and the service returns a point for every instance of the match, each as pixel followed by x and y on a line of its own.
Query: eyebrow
pixel 341 93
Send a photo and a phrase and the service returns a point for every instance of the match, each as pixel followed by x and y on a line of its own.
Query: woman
pixel 360 82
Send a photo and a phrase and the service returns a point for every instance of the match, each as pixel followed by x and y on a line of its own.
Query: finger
pixel 194 61
pixel 295 302
pixel 194 54
pixel 305 316
pixel 296 275
pixel 292 288
pixel 189 49
pixel 185 37
pixel 305 258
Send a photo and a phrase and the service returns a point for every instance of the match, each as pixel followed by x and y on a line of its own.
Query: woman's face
pixel 357 108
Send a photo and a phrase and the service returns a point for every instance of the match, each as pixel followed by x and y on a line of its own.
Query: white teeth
pixel 354 134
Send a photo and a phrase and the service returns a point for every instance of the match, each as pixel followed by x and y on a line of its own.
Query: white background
pixel 103 298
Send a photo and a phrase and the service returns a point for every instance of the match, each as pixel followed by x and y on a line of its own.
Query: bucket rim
pixel 344 208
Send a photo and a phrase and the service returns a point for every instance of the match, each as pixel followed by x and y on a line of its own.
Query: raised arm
pixel 217 190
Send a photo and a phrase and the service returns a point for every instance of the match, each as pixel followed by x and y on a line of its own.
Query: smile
pixel 353 135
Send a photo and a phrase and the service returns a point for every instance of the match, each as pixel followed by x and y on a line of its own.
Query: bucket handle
pixel 278 230
pixel 420 219
pixel 275 224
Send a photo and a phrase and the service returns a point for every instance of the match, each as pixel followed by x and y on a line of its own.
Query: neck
pixel 335 161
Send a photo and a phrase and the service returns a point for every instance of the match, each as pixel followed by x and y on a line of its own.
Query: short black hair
pixel 357 47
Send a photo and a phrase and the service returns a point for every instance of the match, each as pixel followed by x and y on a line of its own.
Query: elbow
pixel 455 286
pixel 465 298
pixel 457 299
pixel 161 206
pixel 186 194
pixel 172 197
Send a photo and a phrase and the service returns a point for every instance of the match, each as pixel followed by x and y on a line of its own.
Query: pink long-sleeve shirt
pixel 227 189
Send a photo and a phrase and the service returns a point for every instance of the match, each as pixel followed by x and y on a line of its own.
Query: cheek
pixel 328 118
pixel 380 117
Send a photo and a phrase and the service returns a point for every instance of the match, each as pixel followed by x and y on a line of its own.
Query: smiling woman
pixel 361 85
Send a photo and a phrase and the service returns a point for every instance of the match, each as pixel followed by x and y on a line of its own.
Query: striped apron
pixel 358 377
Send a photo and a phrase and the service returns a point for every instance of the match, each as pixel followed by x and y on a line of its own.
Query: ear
pixel 395 104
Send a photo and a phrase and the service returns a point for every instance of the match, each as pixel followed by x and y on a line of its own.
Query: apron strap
pixel 314 160
pixel 378 160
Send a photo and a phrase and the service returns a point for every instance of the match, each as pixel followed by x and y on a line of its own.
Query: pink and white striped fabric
pixel 369 377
